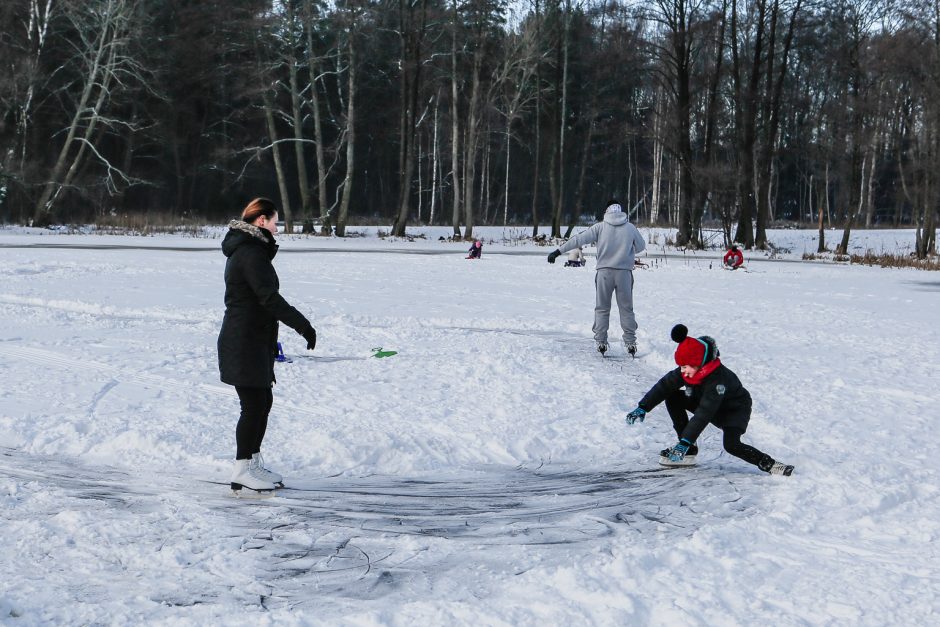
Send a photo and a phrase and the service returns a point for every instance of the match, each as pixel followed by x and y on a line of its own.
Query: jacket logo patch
pixel 720 389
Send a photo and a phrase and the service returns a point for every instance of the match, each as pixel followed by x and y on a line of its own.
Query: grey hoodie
pixel 617 241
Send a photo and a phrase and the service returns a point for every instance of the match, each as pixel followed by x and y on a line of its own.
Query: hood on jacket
pixel 616 218
pixel 241 233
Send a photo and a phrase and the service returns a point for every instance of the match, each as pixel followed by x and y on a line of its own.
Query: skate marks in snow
pixel 489 505
pixel 362 537
pixel 493 506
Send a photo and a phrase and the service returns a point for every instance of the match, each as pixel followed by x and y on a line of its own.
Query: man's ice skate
pixel 688 460
pixel 256 465
pixel 602 347
pixel 246 482
pixel 631 348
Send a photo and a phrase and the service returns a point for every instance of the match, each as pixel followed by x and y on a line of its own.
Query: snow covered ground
pixel 484 475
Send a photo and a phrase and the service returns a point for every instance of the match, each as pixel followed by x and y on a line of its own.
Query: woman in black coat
pixel 248 339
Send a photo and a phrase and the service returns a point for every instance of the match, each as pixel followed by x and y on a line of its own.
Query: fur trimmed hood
pixel 241 233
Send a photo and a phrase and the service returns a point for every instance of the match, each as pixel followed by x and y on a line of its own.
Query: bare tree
pixel 558 171
pixel 771 111
pixel 102 34
pixel 412 24
pixel 680 19
pixel 860 16
pixel 353 13
pixel 513 81
pixel 313 66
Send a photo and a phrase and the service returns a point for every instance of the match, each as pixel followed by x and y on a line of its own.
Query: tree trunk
pixel 746 121
pixel 870 191
pixel 435 161
pixel 303 181
pixel 843 247
pixel 411 36
pixel 470 152
pixel 455 123
pixel 506 179
pixel 350 135
pixel 278 166
pixel 313 67
pixel 821 247
pixel 773 116
pixel 656 199
pixel 562 119
pixel 537 157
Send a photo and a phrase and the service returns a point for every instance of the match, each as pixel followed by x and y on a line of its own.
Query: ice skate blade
pixel 244 492
pixel 688 460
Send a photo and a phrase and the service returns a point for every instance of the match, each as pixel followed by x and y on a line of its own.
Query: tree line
pixel 726 114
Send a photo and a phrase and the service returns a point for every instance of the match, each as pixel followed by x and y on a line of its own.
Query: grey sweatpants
pixel 607 281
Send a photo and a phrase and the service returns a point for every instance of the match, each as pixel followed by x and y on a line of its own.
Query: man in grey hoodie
pixel 617 241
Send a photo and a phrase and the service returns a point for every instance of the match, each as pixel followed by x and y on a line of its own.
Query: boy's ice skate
pixel 781 469
pixel 246 481
pixel 631 348
pixel 688 460
pixel 602 348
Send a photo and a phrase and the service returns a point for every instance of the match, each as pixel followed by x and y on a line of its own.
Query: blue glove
pixel 677 454
pixel 637 414
pixel 552 256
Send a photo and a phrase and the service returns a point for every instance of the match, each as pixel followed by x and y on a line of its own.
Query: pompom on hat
pixel 691 351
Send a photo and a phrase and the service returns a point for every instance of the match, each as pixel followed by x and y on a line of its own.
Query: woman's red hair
pixel 257 208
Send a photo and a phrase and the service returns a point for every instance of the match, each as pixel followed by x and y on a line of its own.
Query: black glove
pixel 310 334
pixel 552 256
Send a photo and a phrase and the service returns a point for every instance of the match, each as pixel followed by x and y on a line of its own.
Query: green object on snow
pixel 378 352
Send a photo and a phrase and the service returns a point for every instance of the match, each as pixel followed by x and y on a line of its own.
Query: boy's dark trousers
pixel 678 405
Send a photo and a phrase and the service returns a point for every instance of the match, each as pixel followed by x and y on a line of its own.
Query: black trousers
pixel 678 405
pixel 253 421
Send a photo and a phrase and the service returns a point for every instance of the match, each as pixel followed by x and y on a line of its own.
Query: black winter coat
pixel 248 339
pixel 720 399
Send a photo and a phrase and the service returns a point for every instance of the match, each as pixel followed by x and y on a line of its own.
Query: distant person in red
pixel 476 250
pixel 733 258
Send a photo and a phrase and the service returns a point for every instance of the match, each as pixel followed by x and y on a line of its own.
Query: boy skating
pixel 702 385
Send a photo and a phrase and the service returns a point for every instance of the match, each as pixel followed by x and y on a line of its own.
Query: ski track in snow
pixel 481 476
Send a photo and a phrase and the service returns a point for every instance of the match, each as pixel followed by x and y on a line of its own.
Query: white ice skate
pixel 247 482
pixel 256 466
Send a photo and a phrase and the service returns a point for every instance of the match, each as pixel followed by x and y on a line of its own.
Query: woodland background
pixel 473 112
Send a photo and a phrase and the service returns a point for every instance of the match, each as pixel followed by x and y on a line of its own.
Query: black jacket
pixel 248 339
pixel 720 399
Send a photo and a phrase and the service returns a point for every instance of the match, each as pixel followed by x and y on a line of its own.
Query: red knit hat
pixel 691 351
